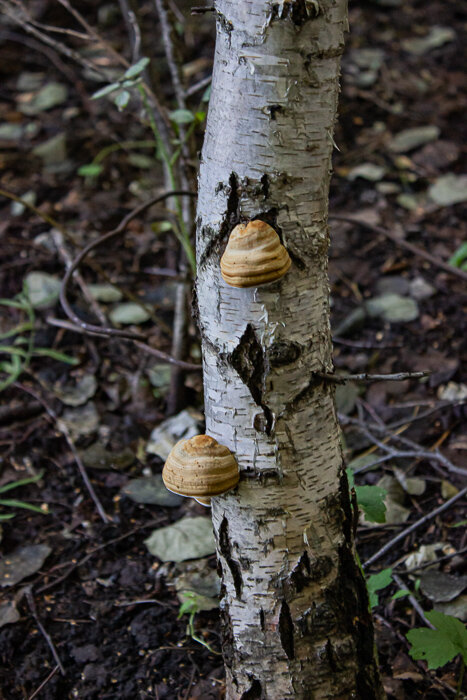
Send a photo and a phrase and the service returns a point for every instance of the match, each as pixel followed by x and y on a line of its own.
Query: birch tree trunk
pixel 294 608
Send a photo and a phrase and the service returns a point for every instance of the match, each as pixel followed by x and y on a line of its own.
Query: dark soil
pixel 90 593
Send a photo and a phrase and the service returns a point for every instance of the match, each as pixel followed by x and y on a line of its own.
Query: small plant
pixel 23 349
pixel 370 499
pixel 13 503
pixel 459 258
pixel 190 607
pixel 439 646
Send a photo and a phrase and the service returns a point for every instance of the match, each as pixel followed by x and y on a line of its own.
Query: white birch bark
pixel 295 610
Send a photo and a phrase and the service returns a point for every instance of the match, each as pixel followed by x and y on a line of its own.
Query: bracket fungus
pixel 200 468
pixel 254 255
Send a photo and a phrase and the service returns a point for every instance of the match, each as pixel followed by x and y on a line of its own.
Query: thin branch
pixel 427 564
pixel 415 604
pixel 365 377
pixel 170 53
pixel 44 683
pixel 76 564
pixel 422 521
pixel 62 428
pixel 47 637
pixel 418 452
pixel 19 16
pixel 88 327
pixel 108 333
pixel 415 250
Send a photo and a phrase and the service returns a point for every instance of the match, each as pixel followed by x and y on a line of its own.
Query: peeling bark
pixel 294 609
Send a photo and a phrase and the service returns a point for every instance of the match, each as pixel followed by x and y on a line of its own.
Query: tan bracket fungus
pixel 254 255
pixel 200 468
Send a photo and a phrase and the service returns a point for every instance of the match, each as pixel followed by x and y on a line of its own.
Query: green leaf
pixel 137 68
pixel 181 116
pixel 400 594
pixel 55 355
pixel 21 328
pixel 6 517
pixel 122 99
pixel 105 91
pixel 376 582
pixel 13 351
pixel 21 482
pixel 439 646
pixel 189 605
pixel 371 501
pixel 206 94
pixel 12 503
pixel 90 170
pixel 459 256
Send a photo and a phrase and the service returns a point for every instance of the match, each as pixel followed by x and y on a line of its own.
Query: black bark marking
pixel 226 551
pixel 348 598
pixel 230 219
pixel 300 575
pixel 286 630
pixel 283 353
pixel 350 511
pixel 227 634
pixel 299 11
pixel 330 657
pixel 261 619
pixel 249 362
pixel 273 110
pixel 296 260
pixel 265 185
pixel 255 691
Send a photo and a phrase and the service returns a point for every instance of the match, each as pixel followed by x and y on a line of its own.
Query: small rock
pixel 42 289
pixel 436 37
pixel 129 313
pixel 420 289
pixel 393 308
pixel 449 189
pixel 106 293
pixel 23 562
pixel 151 490
pixel 409 139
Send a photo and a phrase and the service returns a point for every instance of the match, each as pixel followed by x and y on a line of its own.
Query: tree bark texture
pixel 295 609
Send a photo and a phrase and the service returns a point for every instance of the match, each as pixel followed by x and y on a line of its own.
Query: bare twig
pixel 426 518
pixel 108 332
pixel 44 683
pixel 200 85
pixel 170 52
pixel 417 451
pixel 75 564
pixel 415 250
pixel 68 260
pixel 427 564
pixel 48 639
pixel 365 377
pixel 62 428
pixel 19 15
pixel 202 10
pixel 415 604
pixel 88 327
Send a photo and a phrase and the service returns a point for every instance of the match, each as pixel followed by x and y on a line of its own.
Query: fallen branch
pixel 415 250
pixel 47 637
pixel 365 377
pixel 426 518
pixel 61 427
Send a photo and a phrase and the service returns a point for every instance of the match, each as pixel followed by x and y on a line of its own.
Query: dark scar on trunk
pixel 249 362
pixel 226 551
pixel 286 630
pixel 255 691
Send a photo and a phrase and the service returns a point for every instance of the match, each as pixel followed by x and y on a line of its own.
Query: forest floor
pixel 86 611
